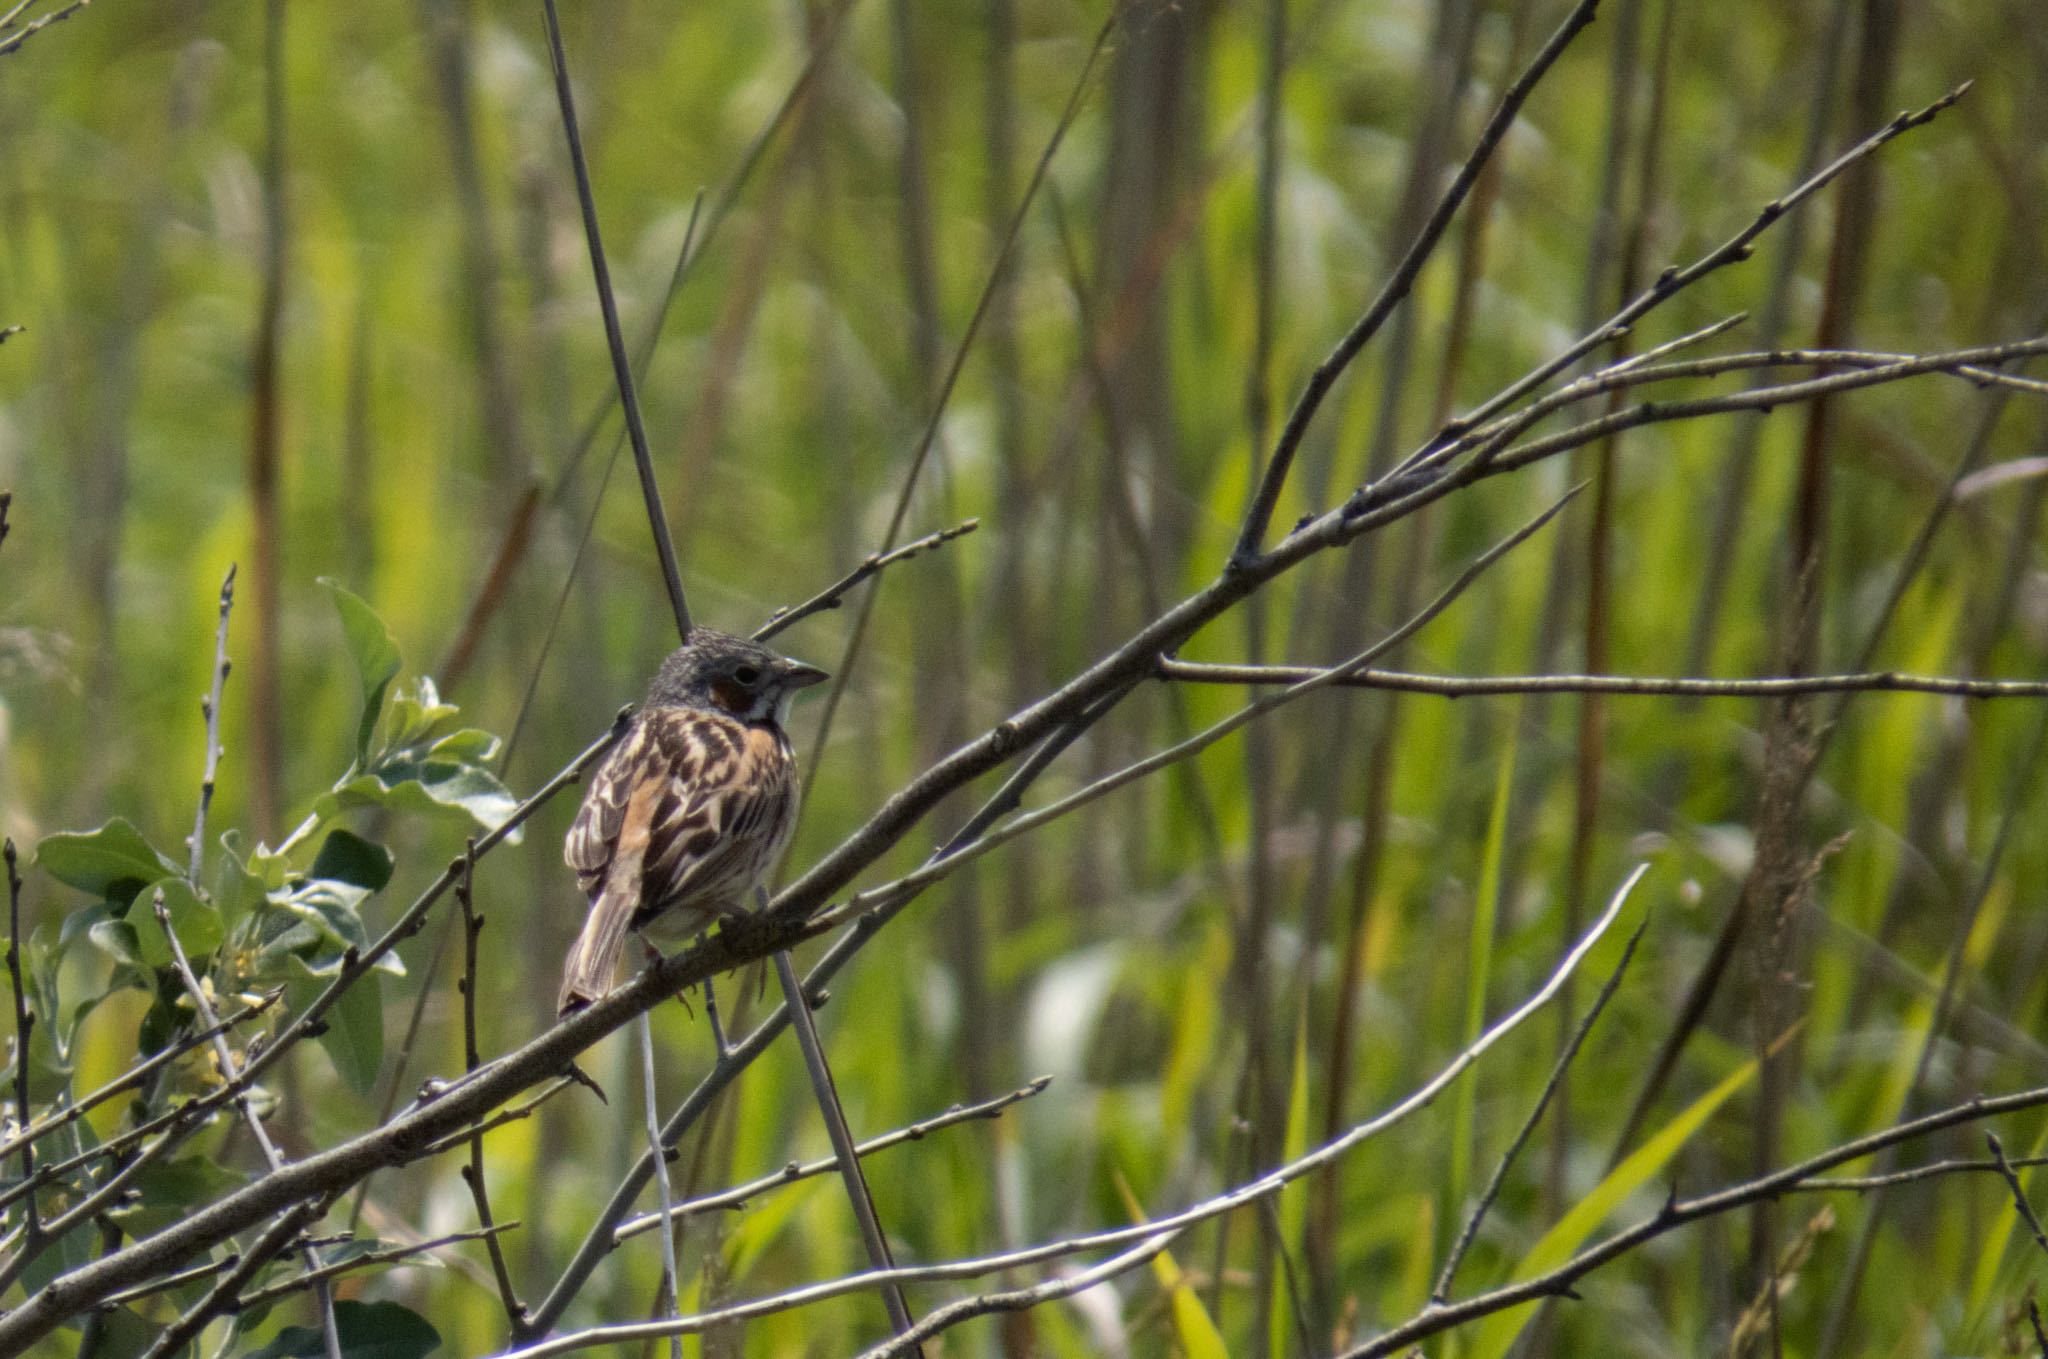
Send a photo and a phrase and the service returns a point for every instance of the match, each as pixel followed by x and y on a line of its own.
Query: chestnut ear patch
pixel 732 696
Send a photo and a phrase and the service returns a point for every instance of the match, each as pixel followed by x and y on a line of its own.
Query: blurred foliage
pixel 441 358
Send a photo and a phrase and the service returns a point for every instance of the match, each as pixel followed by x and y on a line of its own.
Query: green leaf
pixel 329 906
pixel 410 786
pixel 117 940
pixel 236 891
pixel 369 1330
pixel 78 924
pixel 347 857
pixel 114 861
pixel 354 1033
pixel 198 924
pixel 417 716
pixel 1497 1333
pixel 471 745
pixel 375 654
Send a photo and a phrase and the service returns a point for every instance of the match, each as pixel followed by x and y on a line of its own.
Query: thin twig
pixel 1021 1299
pixel 514 1114
pixel 209 707
pixel 740 1195
pixel 472 1058
pixel 270 1293
pixel 615 340
pixel 29 30
pixel 1675 1213
pixel 225 1055
pixel 669 1299
pixel 944 865
pixel 1260 511
pixel 2019 1193
pixel 1863 1184
pixel 966 1269
pixel 833 595
pixel 171 1052
pixel 278 1236
pixel 1674 280
pixel 1470 1231
pixel 1971 364
pixel 842 674
pixel 1228 1202
pixel 1472 686
pixel 1401 494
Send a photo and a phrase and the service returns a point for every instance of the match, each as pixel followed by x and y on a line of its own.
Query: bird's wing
pixel 594 835
pixel 722 818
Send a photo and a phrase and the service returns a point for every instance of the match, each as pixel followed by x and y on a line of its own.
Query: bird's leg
pixel 654 957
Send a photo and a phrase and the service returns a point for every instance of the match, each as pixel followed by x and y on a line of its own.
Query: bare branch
pixel 277 1237
pixel 1470 1231
pixel 741 1194
pixel 298 1282
pixel 1672 281
pixel 9 44
pixel 2019 1192
pixel 1022 1299
pixel 1434 1319
pixel 1474 686
pixel 1238 1197
pixel 473 1173
pixel 1260 511
pixel 229 1069
pixel 941 866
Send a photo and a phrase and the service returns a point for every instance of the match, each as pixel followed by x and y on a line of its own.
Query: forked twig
pixel 472 1058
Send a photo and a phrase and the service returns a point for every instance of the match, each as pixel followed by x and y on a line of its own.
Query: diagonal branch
pixel 833 595
pixel 1260 512
pixel 1471 686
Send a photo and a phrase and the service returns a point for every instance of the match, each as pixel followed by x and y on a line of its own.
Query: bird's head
pixel 731 675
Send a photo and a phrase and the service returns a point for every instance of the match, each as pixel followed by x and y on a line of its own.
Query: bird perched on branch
pixel 691 809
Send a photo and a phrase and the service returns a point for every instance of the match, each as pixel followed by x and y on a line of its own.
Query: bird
pixel 690 810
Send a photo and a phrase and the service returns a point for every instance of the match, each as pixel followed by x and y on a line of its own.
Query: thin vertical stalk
pixel 266 718
pixel 615 340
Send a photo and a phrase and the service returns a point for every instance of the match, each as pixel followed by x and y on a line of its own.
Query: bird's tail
pixel 587 974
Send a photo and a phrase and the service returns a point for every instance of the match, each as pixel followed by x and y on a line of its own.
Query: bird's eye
pixel 748 674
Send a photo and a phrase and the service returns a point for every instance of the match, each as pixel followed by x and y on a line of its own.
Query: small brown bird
pixel 691 808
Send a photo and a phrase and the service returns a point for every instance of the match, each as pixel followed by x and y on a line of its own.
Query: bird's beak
pixel 797 675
